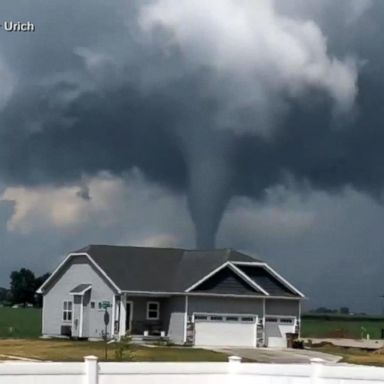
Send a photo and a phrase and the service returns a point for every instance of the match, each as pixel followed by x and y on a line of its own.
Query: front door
pixel 128 319
pixel 77 316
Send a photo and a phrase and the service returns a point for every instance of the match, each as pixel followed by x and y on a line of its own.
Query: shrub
pixel 123 351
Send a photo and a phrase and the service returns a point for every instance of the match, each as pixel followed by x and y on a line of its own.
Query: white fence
pixel 93 372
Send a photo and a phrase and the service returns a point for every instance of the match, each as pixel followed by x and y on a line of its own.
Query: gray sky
pixel 251 125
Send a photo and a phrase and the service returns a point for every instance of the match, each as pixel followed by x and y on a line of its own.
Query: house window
pixel 153 310
pixel 92 305
pixel 286 321
pixel 67 311
pixel 248 319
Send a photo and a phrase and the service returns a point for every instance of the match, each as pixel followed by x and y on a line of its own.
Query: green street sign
pixel 105 304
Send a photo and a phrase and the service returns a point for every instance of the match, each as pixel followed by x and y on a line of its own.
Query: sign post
pixel 105 305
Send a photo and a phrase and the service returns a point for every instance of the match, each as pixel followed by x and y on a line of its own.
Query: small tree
pixel 123 349
pixel 23 286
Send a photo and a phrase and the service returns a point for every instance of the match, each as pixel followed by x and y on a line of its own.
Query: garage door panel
pixel 276 330
pixel 272 330
pixel 225 332
pixel 284 329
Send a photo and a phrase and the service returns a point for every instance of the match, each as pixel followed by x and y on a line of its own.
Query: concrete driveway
pixel 281 356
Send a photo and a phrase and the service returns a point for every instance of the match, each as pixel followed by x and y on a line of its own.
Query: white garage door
pixel 225 330
pixel 276 329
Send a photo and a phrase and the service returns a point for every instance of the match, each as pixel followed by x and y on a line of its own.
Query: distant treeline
pixel 22 290
pixel 340 316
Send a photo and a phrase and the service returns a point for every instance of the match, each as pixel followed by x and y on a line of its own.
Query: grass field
pixel 20 322
pixel 26 323
pixel 67 350
pixel 341 326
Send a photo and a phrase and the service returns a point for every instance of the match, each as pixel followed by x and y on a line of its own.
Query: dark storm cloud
pixel 91 93
pixel 315 151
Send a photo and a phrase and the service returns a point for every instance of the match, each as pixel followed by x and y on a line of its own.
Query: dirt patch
pixel 16 358
pixel 353 355
pixel 69 350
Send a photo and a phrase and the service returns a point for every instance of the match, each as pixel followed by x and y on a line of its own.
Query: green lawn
pixel 20 322
pixel 20 329
pixel 324 327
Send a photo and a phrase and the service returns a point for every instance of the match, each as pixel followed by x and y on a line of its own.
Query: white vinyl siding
pixel 77 270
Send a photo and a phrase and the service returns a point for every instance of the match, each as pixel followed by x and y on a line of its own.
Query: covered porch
pixel 143 317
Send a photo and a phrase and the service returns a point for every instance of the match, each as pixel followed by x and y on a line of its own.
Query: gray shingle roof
pixel 158 269
pixel 80 288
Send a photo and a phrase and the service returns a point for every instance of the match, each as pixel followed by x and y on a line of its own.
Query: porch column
pixel 264 334
pixel 113 316
pixel 299 319
pixel 123 314
pixel 81 316
pixel 185 338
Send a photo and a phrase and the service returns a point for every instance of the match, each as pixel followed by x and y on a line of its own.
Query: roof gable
pixel 65 265
pixel 197 264
pixel 267 281
pixel 226 281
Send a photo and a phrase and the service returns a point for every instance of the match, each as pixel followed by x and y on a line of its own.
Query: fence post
pixel 317 367
pixel 234 364
pixel 91 374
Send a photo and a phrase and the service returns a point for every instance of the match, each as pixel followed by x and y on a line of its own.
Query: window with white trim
pixel 286 321
pixel 247 319
pixel 153 310
pixel 67 311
